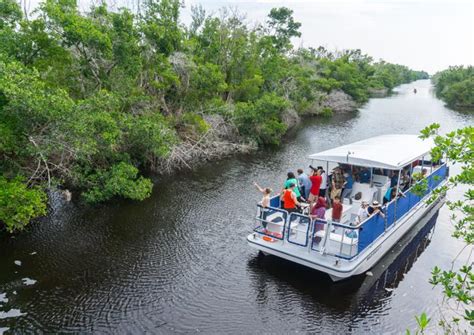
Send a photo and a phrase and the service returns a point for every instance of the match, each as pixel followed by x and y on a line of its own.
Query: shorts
pixel 312 197
pixel 335 192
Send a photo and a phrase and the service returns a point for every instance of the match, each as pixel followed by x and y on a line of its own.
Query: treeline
pixel 456 86
pixel 88 100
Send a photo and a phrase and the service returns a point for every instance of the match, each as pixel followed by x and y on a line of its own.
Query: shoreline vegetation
pixel 455 86
pixel 91 100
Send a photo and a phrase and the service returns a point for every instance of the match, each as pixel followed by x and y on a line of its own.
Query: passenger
pixel 292 180
pixel 319 209
pixel 404 180
pixel 364 175
pixel 394 179
pixel 324 182
pixel 265 202
pixel 289 199
pixel 363 214
pixel 304 183
pixel 337 183
pixel 424 172
pixel 349 181
pixel 316 181
pixel 336 209
pixel 388 195
pixel 375 209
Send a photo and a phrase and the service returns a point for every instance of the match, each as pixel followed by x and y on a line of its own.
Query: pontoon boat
pixel 348 248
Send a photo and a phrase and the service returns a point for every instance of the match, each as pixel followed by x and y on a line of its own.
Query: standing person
pixel 364 175
pixel 291 179
pixel 265 202
pixel 289 199
pixel 324 182
pixel 336 209
pixel 304 183
pixel 316 180
pixel 337 183
pixel 393 179
pixel 349 181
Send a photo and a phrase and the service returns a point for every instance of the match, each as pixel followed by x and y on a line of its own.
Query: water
pixel 178 262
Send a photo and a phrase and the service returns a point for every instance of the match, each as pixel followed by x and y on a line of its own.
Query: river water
pixel 179 262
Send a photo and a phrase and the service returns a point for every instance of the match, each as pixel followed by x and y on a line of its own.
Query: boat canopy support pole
pixel 396 196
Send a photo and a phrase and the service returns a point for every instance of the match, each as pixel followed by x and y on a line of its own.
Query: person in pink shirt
pixel 319 209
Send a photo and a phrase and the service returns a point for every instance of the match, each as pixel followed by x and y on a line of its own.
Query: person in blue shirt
pixel 349 181
pixel 394 179
pixel 304 183
pixel 364 175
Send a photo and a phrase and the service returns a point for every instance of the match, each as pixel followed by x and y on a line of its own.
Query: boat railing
pixel 370 230
pixel 298 229
pixel 334 238
pixel 272 222
pixel 339 239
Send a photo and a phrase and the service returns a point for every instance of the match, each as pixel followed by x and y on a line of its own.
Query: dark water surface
pixel 178 262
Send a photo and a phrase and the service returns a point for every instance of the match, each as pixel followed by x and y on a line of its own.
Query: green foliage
pixel 20 204
pixel 326 112
pixel 388 75
pixel 280 21
pixel 90 99
pixel 261 120
pixel 456 86
pixel 458 147
pixel 120 180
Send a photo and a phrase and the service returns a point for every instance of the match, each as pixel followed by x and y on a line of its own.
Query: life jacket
pixel 288 202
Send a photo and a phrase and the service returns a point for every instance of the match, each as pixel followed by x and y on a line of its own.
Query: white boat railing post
pixel 326 192
pixel 310 235
pixel 342 240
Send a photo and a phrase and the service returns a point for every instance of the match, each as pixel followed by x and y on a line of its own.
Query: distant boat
pixel 348 248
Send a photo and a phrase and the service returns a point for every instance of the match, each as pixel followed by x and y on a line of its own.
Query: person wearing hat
pixel 337 183
pixel 375 209
pixel 291 179
pixel 289 199
pixel 362 215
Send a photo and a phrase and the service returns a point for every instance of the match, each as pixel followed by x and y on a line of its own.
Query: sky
pixel 425 35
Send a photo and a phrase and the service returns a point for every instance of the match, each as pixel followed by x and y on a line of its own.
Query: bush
pixel 20 204
pixel 262 119
pixel 119 181
pixel 326 112
pixel 456 86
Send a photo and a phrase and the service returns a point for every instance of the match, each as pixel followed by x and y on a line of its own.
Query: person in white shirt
pixel 324 183
pixel 363 212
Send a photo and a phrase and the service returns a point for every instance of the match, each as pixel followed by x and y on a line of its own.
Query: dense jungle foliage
pixel 456 86
pixel 88 100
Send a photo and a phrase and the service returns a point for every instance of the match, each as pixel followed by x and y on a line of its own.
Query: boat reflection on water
pixel 359 295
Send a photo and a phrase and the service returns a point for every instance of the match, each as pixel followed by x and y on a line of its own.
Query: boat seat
pixel 276 218
pixel 366 191
pixel 337 238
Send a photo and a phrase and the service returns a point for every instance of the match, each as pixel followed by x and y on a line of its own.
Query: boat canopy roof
pixel 387 152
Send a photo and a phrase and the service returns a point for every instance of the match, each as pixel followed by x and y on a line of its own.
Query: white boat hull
pixel 338 268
